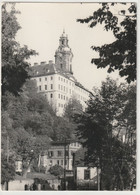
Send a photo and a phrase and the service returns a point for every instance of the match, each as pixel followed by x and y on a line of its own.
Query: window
pixel 59 153
pixel 72 153
pixel 61 162
pixel 45 87
pixel 67 154
pixel 51 95
pixel 58 162
pixel 58 86
pixel 61 87
pixel 45 78
pixel 39 79
pixel 51 86
pixel 51 78
pixel 64 97
pixel 51 163
pixel 61 96
pixel 86 174
pixel 50 153
pixel 59 104
pixel 61 79
pixel 40 88
pixel 58 95
pixel 64 88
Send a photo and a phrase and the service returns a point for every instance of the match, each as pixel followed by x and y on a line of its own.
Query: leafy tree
pixel 62 129
pixel 7 169
pixel 27 129
pixel 97 126
pixel 80 157
pixel 72 107
pixel 121 54
pixel 14 58
pixel 56 170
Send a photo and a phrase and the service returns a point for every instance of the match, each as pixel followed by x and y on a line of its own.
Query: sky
pixel 42 25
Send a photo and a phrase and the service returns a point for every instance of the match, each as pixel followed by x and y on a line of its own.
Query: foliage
pixel 56 170
pixel 14 58
pixel 63 129
pixel 72 107
pixel 101 127
pixel 80 157
pixel 7 169
pixel 121 54
pixel 37 168
pixel 30 123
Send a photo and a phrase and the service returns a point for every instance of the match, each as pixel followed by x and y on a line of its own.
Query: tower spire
pixel 63 55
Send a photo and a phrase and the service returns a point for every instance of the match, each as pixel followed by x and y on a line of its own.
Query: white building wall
pixel 63 89
pixel 19 185
pixel 48 161
pixel 80 172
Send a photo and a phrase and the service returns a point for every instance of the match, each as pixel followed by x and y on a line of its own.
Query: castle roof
pixel 45 69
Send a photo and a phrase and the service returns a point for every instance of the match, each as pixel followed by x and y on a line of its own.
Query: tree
pixel 72 107
pixel 56 170
pixel 100 128
pixel 14 58
pixel 121 54
pixel 7 169
pixel 28 128
pixel 80 157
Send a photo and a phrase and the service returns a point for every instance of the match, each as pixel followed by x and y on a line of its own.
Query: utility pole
pixel 65 165
pixel 98 178
pixel 7 148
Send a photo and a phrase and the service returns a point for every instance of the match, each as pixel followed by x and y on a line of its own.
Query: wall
pixel 19 184
pixel 63 90
pixel 80 172
pixel 49 161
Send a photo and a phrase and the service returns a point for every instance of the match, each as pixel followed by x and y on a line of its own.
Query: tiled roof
pixel 43 176
pixel 42 70
pixel 45 69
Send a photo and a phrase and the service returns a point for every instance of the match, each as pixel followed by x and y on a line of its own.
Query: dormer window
pixel 47 70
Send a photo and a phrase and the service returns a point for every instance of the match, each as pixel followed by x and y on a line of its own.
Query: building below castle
pixel 56 81
pixel 60 154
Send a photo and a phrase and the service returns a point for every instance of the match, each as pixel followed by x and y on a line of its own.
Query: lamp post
pixel 66 142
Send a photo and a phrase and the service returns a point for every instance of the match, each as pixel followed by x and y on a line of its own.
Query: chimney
pixel 50 62
pixel 42 63
pixel 35 64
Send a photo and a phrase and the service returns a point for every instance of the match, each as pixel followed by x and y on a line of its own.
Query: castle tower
pixel 64 55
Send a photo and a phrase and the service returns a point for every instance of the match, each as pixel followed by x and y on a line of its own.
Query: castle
pixel 56 81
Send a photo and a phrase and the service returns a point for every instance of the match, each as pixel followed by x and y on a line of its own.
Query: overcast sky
pixel 42 25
